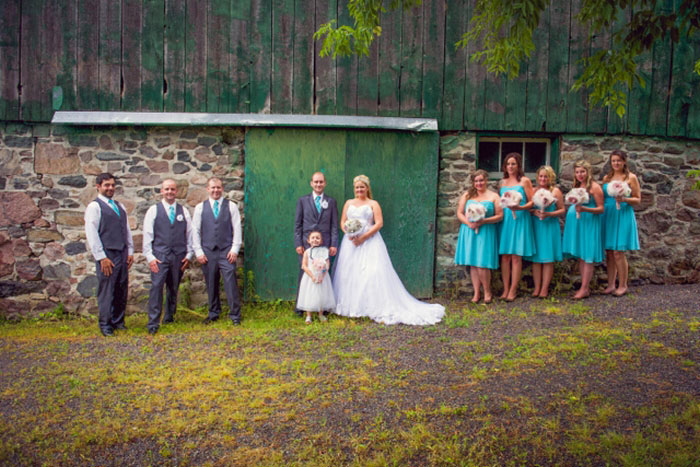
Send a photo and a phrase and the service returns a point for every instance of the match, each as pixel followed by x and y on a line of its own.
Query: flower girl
pixel 315 289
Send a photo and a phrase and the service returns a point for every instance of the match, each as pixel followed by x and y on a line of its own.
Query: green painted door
pixel 402 168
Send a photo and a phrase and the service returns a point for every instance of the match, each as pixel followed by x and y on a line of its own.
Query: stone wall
pixel 668 217
pixel 47 178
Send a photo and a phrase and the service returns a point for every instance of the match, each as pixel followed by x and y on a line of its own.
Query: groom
pixel 315 211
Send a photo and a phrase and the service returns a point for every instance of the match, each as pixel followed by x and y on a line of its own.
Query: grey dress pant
pixel 112 291
pixel 218 266
pixel 168 275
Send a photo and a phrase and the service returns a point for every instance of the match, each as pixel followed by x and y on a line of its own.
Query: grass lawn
pixel 607 381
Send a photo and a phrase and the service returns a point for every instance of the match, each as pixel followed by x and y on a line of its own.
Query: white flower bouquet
pixel 354 227
pixel 577 196
pixel 475 212
pixel 318 257
pixel 542 199
pixel 618 189
pixel 510 199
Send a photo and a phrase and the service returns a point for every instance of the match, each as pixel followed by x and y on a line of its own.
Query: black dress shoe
pixel 167 320
pixel 107 332
pixel 152 332
pixel 236 322
pixel 121 327
pixel 209 320
pixel 299 312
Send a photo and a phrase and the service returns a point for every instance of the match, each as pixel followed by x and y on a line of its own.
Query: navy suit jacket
pixel 308 219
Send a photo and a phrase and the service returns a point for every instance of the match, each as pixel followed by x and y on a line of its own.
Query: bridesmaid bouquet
pixel 543 198
pixel 475 213
pixel 618 189
pixel 353 227
pixel 511 198
pixel 577 196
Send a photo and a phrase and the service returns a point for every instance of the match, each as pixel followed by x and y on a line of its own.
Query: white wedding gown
pixel 366 285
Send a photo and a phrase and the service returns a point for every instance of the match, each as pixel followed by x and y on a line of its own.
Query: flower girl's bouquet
pixel 577 196
pixel 475 213
pixel 618 189
pixel 511 198
pixel 542 199
pixel 319 257
pixel 354 227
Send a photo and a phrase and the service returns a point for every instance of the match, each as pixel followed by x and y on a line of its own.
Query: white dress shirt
pixel 148 230
pixel 93 215
pixel 197 226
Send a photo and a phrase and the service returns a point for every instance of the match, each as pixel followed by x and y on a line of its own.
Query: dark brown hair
pixel 519 159
pixel 622 155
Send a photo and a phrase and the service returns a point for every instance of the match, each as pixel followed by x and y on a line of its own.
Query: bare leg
pixel 537 277
pixel 474 273
pixel 586 276
pixel 485 279
pixel 622 272
pixel 516 272
pixel 547 273
pixel 505 274
pixel 612 271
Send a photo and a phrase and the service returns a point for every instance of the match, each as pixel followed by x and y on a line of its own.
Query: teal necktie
pixel 318 203
pixel 114 206
pixel 172 214
pixel 216 209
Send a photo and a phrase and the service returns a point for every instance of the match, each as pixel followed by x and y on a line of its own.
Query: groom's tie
pixel 216 209
pixel 318 203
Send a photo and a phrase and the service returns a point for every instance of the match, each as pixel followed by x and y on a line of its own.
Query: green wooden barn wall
pixel 402 168
pixel 258 56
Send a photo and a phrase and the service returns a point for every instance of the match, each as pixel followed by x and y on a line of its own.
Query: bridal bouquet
pixel 354 227
pixel 475 213
pixel 542 199
pixel 618 189
pixel 577 196
pixel 511 198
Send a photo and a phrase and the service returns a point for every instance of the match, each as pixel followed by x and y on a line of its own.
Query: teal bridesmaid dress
pixel 547 238
pixel 619 226
pixel 583 238
pixel 480 250
pixel 517 237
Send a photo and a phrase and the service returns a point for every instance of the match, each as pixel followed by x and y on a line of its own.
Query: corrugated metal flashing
pixel 220 119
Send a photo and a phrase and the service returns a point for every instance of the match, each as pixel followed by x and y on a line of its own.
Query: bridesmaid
pixel 620 226
pixel 583 238
pixel 547 233
pixel 479 251
pixel 516 238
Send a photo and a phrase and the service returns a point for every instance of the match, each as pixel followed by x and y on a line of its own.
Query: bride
pixel 365 283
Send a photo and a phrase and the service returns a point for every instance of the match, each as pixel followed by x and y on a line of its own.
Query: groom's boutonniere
pixel 324 204
pixel 180 218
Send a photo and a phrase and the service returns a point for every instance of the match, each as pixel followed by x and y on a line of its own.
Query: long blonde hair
pixel 364 179
pixel 622 155
pixel 589 178
pixel 471 192
pixel 551 176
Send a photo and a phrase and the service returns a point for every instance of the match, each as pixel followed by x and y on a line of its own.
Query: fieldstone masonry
pixel 47 178
pixel 668 217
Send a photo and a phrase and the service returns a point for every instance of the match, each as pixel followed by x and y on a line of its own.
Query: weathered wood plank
pixel 661 56
pixel 282 56
pixel 110 55
pixel 325 70
pixel 174 57
pixel 9 60
pixel 515 100
pixel 218 54
pixel 346 69
pixel 692 129
pixel 577 101
pixel 152 37
pixel 597 115
pixel 303 66
pixel 433 57
pixel 390 64
pixel 558 66
pixel 35 96
pixel 475 88
pixel 538 77
pixel 617 125
pixel 261 55
pixel 411 63
pixel 87 78
pixel 132 44
pixel 240 59
pixel 455 68
pixel 195 56
pixel 368 82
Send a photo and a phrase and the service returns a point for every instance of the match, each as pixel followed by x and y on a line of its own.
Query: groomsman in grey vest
pixel 315 211
pixel 217 240
pixel 167 246
pixel 109 237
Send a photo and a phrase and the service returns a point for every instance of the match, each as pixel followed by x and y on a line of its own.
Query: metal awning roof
pixel 221 119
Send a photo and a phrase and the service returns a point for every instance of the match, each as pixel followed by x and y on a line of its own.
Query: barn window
pixel 535 151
